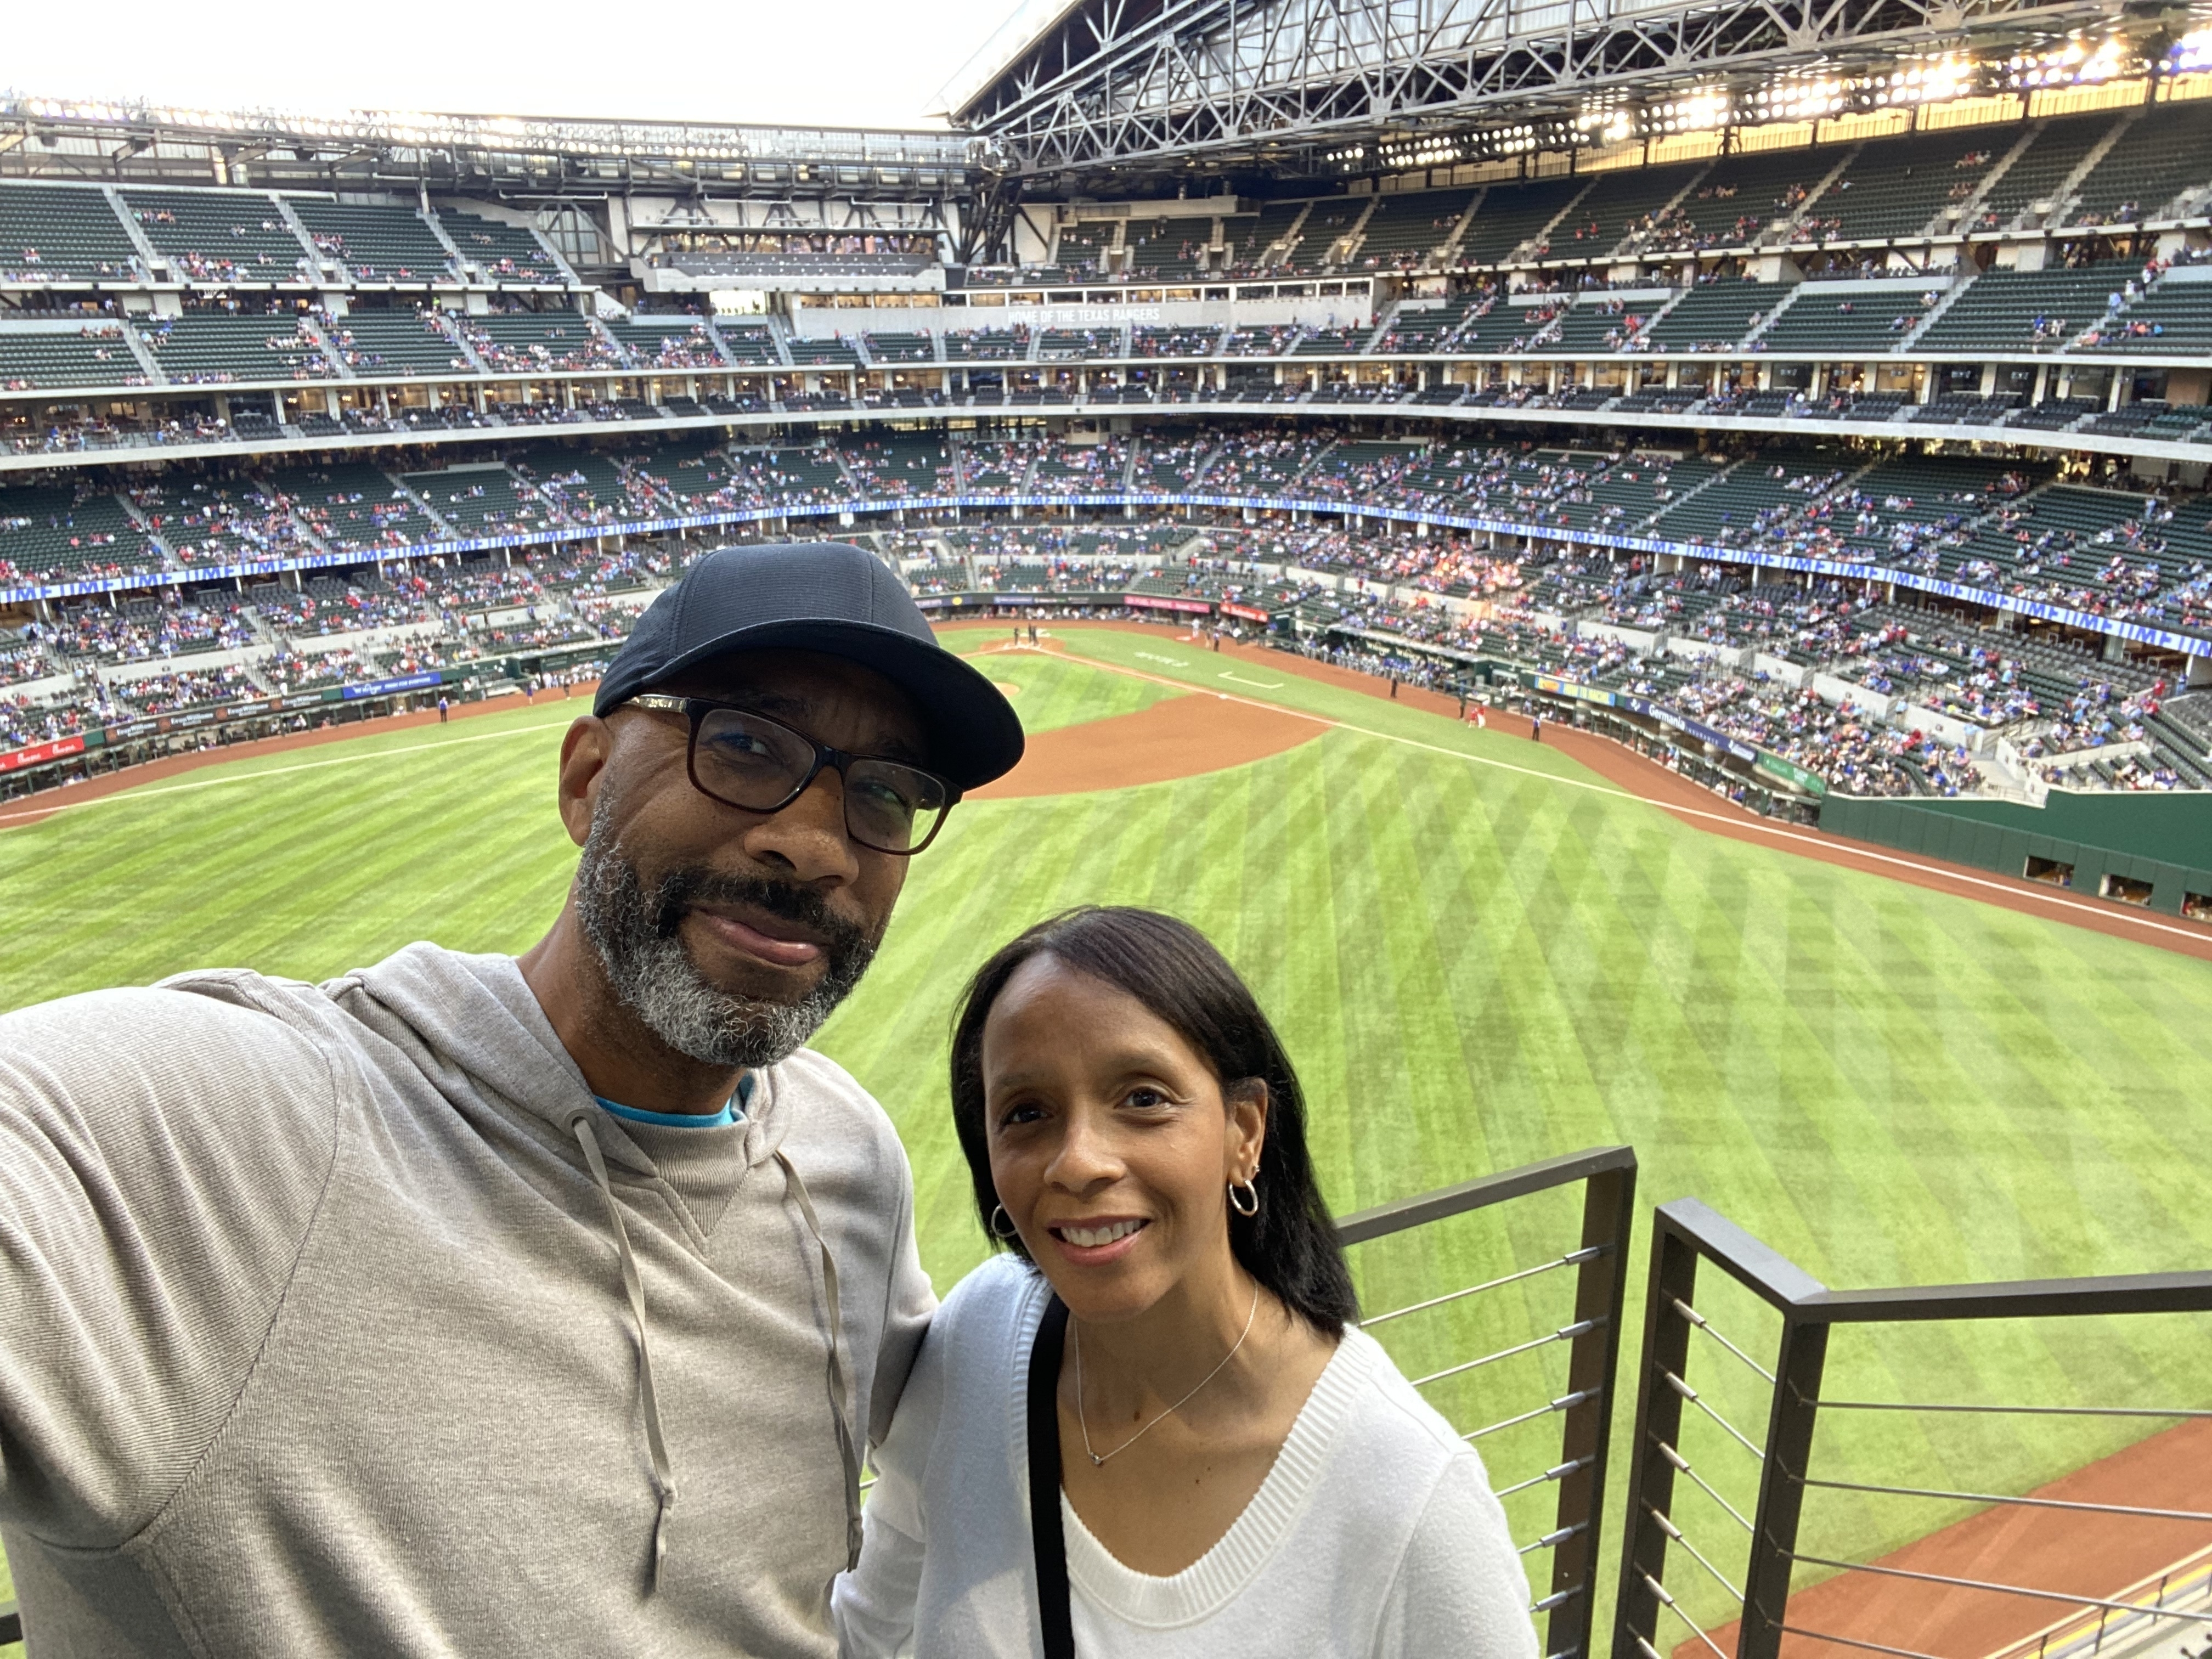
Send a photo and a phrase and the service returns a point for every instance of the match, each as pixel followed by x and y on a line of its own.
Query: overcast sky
pixel 825 63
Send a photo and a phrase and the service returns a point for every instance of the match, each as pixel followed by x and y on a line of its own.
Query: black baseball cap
pixel 833 597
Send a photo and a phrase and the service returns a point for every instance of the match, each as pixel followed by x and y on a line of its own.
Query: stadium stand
pixel 51 233
pixel 1406 231
pixel 528 342
pixel 89 354
pixel 1510 215
pixel 375 243
pixel 206 348
pixel 2159 156
pixel 667 342
pixel 505 254
pixel 396 342
pixel 221 237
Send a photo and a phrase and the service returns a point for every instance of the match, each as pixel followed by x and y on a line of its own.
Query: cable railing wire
pixel 1565 1402
pixel 2025 1502
pixel 1698 1321
pixel 1572 1259
pixel 1565 1334
pixel 1667 1601
pixel 1993 1588
pixel 2021 1411
pixel 1692 1395
pixel 1682 1466
pixel 1667 1525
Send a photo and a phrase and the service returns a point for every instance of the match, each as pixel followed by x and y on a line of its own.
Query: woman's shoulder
pixel 997 1304
pixel 1386 1424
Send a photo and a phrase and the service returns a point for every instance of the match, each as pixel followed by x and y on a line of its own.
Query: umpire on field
pixel 491 1306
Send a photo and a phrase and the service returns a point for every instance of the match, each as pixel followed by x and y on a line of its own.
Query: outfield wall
pixel 2161 841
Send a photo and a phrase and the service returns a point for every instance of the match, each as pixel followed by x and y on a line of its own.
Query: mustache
pixel 680 892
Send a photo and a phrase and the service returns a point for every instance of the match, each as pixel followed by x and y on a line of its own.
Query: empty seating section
pixel 526 341
pixel 1424 328
pixel 1324 228
pixel 220 236
pixel 2161 155
pixel 2174 317
pixel 60 531
pixel 1083 248
pixel 1406 231
pixel 1739 198
pixel 1838 318
pixel 351 507
pixel 1736 509
pixel 2027 308
pixel 1712 317
pixel 373 342
pixel 824 352
pixel 50 231
pixel 1511 214
pixel 1250 235
pixel 748 344
pixel 1066 343
pixel 1593 323
pixel 1166 248
pixel 92 355
pixel 667 342
pixel 375 243
pixel 899 465
pixel 1894 186
pixel 205 348
pixel 791 475
pixel 505 254
pixel 901 348
pixel 595 489
pixel 1621 205
pixel 2057 150
pixel 987 345
pixel 482 500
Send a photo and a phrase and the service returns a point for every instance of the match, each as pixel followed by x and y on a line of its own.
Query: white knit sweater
pixel 1375 1535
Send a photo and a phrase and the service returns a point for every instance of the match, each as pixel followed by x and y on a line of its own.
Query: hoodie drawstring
pixel 840 1407
pixel 664 1478
pixel 579 1121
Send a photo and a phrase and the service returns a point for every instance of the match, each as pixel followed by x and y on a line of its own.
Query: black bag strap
pixel 1051 1547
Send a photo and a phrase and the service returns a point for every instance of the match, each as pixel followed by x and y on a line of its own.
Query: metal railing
pixel 1445 1344
pixel 1686 1233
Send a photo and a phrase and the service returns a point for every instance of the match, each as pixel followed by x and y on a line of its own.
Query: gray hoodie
pixel 315 1335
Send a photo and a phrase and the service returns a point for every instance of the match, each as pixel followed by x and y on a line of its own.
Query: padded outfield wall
pixel 2163 841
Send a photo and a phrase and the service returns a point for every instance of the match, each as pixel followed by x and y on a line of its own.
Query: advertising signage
pixel 1154 602
pixel 38 753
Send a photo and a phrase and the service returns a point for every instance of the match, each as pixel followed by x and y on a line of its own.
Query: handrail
pixel 1598 1261
pixel 1686 1233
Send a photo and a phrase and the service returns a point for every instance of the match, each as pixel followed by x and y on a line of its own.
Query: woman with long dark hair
pixel 1162 1370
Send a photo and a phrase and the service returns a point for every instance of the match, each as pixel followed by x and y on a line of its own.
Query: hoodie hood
pixel 474 1027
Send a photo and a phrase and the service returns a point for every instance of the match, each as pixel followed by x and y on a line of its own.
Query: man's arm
pixel 909 1301
pixel 161 1156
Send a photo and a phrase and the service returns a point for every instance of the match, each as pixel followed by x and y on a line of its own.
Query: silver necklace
pixel 1098 1459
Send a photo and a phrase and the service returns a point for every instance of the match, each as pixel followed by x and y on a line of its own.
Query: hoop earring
pixel 1012 1233
pixel 1249 1204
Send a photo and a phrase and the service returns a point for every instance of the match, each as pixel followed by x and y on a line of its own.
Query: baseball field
pixel 1480 951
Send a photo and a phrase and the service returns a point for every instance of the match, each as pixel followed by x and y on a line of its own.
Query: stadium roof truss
pixel 527 157
pixel 1331 87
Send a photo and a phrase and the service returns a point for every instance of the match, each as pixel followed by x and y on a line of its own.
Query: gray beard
pixel 634 934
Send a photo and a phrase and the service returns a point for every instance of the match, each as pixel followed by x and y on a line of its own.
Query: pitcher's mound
pixel 1179 738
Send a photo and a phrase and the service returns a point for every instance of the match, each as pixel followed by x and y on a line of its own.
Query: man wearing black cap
pixel 486 1305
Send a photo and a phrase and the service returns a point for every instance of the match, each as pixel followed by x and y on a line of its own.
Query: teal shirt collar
pixel 734 1111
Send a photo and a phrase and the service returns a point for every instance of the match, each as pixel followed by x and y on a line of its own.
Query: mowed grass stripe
pixel 1473 965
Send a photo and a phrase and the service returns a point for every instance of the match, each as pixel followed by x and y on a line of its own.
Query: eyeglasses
pixel 756 764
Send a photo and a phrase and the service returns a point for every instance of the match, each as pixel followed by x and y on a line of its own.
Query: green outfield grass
pixel 1479 953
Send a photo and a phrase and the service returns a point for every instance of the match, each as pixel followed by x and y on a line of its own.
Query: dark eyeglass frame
pixel 695 710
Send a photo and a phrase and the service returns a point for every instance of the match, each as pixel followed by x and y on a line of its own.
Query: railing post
pixel 1658 1420
pixel 1797 1373
pixel 1593 1373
